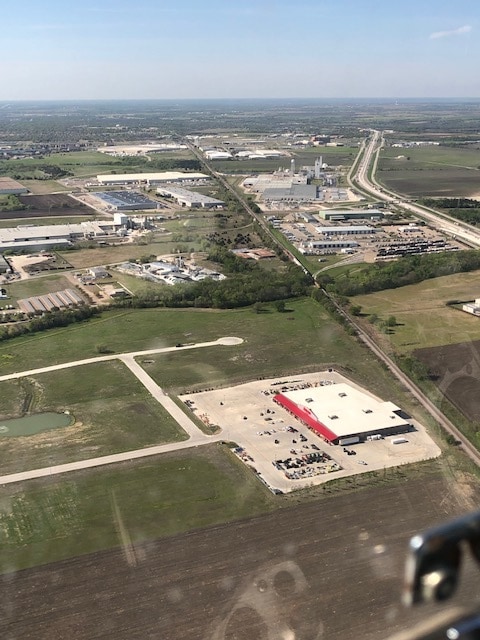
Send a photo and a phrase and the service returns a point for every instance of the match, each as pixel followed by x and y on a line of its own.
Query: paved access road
pixel 196 436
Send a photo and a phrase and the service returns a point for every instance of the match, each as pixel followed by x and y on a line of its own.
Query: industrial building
pixel 126 200
pixel 344 214
pixel 331 245
pixel 4 265
pixel 51 301
pixel 216 154
pixel 343 414
pixel 141 149
pixel 190 199
pixel 10 187
pixel 293 193
pixel 37 238
pixel 346 231
pixel 472 307
pixel 152 178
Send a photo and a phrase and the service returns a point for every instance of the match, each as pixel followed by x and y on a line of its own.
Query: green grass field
pixel 43 521
pixel 423 318
pixel 42 187
pixel 439 156
pixel 36 286
pixel 303 338
pixel 113 412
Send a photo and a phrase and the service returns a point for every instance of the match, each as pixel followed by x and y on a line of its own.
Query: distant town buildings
pixel 141 149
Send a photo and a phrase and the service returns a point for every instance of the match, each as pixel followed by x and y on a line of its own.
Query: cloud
pixel 453 32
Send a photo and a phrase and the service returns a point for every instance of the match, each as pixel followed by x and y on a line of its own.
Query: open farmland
pixel 423 319
pixel 317 570
pixel 54 204
pixel 435 171
pixel 455 369
pixel 447 183
pixel 113 412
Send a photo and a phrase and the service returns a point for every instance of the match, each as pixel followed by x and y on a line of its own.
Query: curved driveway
pixel 196 436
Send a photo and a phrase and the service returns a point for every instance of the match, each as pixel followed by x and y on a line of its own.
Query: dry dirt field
pixel 455 369
pixel 327 569
pixel 55 204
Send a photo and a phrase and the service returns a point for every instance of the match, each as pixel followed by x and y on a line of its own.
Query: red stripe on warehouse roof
pixel 306 416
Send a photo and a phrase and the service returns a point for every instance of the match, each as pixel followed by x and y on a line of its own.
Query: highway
pixel 443 223
pixel 360 177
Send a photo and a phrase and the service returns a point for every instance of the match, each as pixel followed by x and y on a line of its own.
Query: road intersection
pixel 196 437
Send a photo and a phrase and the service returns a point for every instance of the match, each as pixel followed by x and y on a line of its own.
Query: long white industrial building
pixel 151 178
pixel 345 231
pixel 190 198
pixel 48 236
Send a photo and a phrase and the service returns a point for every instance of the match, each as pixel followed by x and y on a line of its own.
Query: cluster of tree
pixel 49 320
pixel 173 164
pixel 413 367
pixel 11 203
pixel 246 285
pixel 25 171
pixel 464 209
pixel 329 305
pixel 408 270
pixel 450 203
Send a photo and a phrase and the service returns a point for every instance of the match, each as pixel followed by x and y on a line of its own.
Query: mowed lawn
pixel 302 338
pixel 113 412
pixel 423 318
pixel 43 521
pixel 36 287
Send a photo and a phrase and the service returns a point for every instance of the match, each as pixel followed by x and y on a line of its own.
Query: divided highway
pixel 369 185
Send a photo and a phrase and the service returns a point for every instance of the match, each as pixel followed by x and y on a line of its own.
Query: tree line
pixel 246 284
pixel 48 320
pixel 408 270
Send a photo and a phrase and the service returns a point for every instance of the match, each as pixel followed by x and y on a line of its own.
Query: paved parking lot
pixel 284 452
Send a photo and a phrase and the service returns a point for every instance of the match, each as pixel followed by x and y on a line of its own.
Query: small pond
pixel 30 425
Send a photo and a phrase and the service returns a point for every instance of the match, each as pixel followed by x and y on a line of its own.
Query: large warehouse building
pixel 342 414
pixel 8 186
pixel 152 178
pixel 126 200
pixel 188 198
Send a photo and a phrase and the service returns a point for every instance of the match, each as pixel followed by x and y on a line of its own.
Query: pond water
pixel 30 425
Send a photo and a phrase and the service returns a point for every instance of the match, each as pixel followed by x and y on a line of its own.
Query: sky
pixel 159 49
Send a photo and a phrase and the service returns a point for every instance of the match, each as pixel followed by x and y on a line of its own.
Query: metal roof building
pixel 38 237
pixel 125 200
pixel 340 411
pixel 345 214
pixel 294 193
pixel 151 178
pixel 345 231
pixel 189 198
pixel 8 186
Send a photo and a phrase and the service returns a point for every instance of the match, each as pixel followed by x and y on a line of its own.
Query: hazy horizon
pixel 266 49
